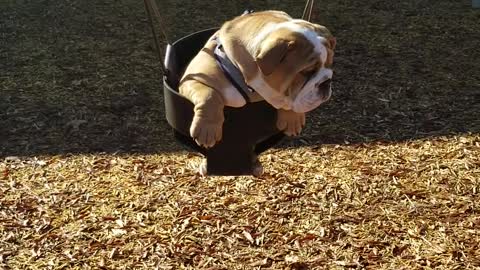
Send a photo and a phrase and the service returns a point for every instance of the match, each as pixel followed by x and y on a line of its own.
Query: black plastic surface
pixel 247 131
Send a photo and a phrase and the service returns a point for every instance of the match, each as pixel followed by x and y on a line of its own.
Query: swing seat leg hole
pixel 257 167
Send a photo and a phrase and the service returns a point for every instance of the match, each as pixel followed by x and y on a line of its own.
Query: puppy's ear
pixel 271 54
pixel 333 42
pixel 324 32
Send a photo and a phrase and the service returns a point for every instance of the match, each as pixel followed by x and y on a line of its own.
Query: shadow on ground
pixel 79 77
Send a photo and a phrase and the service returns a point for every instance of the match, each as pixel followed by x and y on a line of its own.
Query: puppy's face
pixel 295 60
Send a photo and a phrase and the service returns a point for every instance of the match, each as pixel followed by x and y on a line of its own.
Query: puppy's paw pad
pixel 206 133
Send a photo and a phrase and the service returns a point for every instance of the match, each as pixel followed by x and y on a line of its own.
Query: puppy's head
pixel 295 61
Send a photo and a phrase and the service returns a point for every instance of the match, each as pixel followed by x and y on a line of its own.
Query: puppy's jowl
pixel 260 56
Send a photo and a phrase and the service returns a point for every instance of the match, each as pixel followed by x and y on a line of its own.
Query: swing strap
pixel 230 70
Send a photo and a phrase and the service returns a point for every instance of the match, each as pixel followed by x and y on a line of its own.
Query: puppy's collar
pixel 231 71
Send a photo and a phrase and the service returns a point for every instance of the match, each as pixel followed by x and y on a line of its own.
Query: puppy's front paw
pixel 206 132
pixel 290 122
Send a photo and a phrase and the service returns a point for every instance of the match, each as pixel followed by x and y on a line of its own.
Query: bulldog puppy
pixel 285 61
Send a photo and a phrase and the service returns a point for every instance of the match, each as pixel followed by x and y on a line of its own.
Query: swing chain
pixel 307 12
pixel 151 7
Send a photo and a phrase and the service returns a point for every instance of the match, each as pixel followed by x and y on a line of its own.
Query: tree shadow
pixel 79 78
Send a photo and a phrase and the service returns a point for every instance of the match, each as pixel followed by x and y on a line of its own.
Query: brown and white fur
pixel 287 61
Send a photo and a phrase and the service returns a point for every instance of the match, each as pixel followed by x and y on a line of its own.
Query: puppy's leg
pixel 290 122
pixel 202 168
pixel 206 127
pixel 257 167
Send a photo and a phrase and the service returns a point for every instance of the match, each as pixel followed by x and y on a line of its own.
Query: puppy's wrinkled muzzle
pixel 317 90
